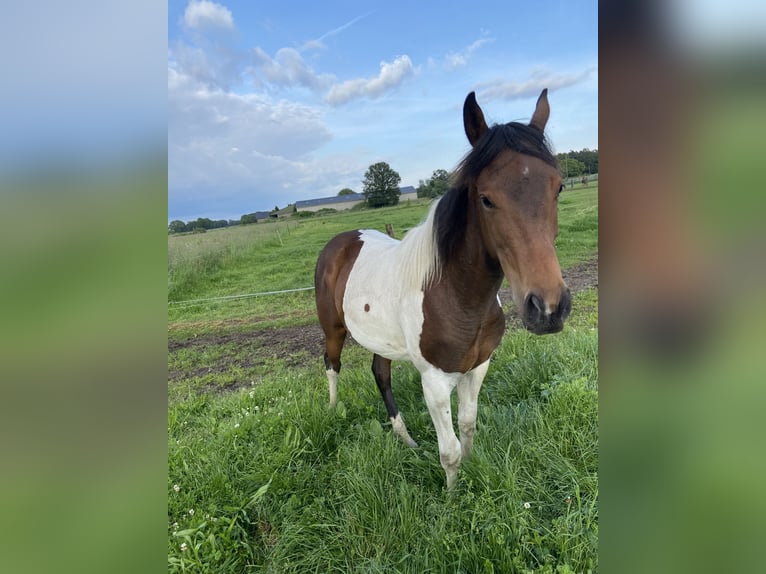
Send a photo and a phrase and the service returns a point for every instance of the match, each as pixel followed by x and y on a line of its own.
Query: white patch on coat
pixel 392 326
pixel 387 279
pixel 400 430
pixel 332 380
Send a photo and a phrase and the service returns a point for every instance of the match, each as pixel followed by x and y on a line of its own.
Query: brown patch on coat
pixel 462 340
pixel 333 268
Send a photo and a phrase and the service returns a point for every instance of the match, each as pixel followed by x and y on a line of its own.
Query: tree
pixel 437 185
pixel 248 218
pixel 588 157
pixel 200 223
pixel 177 226
pixel 346 191
pixel 570 167
pixel 381 185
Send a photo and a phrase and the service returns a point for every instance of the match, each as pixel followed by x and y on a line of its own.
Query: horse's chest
pixel 457 340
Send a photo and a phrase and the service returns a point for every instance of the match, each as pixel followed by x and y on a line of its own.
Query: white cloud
pixel 204 14
pixel 288 68
pixel 314 45
pixel 217 66
pixel 228 150
pixel 531 87
pixel 391 75
pixel 200 116
pixel 459 59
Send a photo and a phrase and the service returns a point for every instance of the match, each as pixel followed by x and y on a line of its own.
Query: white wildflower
pixel 191 512
pixel 236 426
pixel 252 394
pixel 176 487
pixel 527 505
pixel 183 547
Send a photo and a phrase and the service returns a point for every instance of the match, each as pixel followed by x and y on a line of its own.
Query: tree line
pixel 199 224
pixel 577 163
pixel 380 188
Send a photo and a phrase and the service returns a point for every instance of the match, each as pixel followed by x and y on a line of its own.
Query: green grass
pixel 278 482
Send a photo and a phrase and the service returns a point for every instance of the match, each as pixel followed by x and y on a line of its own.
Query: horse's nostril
pixel 534 304
pixel 565 306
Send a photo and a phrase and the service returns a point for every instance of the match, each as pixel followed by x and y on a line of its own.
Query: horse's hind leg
pixel 381 369
pixel 333 345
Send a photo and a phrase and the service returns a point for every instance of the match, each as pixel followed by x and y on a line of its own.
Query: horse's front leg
pixel 468 397
pixel 437 388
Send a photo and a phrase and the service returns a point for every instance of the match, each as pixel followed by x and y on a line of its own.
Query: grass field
pixel 263 477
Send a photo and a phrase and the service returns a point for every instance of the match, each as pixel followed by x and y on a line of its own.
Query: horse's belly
pixel 384 340
pixel 377 324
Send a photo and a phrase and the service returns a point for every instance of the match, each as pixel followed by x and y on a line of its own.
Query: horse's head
pixel 514 189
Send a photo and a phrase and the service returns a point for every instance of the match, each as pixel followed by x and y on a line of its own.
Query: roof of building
pixel 342 198
pixel 329 200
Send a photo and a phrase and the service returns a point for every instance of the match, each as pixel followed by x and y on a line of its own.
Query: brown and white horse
pixel 432 298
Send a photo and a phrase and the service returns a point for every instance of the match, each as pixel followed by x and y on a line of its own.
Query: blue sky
pixel 269 103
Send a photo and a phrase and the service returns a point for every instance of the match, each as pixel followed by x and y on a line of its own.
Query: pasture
pixel 263 477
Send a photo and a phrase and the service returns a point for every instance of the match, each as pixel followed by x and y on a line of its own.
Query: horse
pixel 432 298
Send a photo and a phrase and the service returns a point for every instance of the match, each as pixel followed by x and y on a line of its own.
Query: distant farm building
pixel 341 202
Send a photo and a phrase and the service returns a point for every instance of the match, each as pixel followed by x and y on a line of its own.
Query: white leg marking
pixel 332 379
pixel 437 388
pixel 401 431
pixel 468 397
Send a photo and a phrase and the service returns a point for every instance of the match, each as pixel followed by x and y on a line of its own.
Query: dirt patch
pixel 293 345
pixel 297 345
pixel 582 276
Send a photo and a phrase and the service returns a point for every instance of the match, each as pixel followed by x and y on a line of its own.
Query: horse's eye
pixel 486 202
pixel 561 188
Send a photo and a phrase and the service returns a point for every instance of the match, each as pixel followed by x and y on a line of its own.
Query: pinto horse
pixel 432 298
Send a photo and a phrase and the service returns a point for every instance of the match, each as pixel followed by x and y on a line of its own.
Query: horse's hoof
pixel 410 443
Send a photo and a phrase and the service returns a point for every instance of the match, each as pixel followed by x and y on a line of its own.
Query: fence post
pixel 390 230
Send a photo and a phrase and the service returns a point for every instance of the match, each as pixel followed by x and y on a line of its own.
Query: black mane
pixel 451 213
pixel 520 138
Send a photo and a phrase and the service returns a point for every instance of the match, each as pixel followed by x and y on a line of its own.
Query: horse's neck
pixel 473 275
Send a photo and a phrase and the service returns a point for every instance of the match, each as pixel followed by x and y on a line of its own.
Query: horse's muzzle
pixel 538 320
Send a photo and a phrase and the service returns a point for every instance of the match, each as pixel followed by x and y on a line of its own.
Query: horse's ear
pixel 542 111
pixel 473 119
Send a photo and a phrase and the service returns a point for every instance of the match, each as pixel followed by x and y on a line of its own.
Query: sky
pixel 274 102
